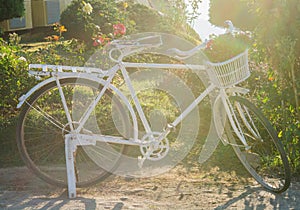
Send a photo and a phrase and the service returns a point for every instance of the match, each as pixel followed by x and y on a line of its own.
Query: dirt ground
pixel 177 189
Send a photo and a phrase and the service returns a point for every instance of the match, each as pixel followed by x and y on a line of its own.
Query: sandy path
pixel 19 189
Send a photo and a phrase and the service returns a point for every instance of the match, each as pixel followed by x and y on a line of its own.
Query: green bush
pixel 71 52
pixel 84 26
pixel 238 11
pixel 137 18
pixel 14 61
pixel 14 79
pixel 278 46
pixel 226 46
pixel 274 102
pixel 11 9
pixel 147 20
pixel 275 60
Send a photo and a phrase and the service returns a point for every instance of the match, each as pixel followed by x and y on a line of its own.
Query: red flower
pixel 95 43
pixel 119 29
pixel 209 44
pixel 98 41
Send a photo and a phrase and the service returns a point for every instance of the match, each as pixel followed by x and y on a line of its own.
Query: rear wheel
pixel 43 124
pixel 265 159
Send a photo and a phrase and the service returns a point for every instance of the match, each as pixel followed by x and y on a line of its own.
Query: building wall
pixel 37 13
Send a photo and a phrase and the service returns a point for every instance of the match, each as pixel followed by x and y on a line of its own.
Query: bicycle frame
pixel 75 138
pixel 121 66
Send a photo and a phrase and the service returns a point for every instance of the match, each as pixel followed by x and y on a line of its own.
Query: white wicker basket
pixel 230 72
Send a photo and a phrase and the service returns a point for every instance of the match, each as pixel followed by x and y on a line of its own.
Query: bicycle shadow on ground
pixel 24 201
pixel 20 189
pixel 29 201
pixel 258 198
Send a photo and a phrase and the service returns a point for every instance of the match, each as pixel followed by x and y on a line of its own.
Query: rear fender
pixel 94 78
pixel 24 97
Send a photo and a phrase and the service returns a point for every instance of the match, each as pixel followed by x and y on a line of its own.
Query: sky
pixel 202 26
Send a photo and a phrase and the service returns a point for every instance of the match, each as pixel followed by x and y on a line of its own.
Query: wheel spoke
pixel 266 159
pixel 43 124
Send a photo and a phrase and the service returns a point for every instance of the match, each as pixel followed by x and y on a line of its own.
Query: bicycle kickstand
pixel 70 148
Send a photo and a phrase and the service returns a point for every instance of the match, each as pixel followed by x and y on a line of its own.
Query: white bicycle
pixel 78 124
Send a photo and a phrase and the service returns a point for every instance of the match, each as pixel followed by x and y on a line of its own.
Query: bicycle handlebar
pixel 123 48
pixel 179 54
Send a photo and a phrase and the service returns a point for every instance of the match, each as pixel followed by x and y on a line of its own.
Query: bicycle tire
pixel 41 144
pixel 266 159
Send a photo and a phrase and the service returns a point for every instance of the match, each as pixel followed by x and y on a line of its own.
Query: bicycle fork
pixel 233 118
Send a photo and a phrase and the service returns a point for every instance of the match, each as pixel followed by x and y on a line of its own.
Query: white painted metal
pixel 222 79
pixel 230 72
pixel 70 148
pixel 63 100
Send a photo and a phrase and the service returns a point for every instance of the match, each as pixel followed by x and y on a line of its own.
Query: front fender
pixel 219 113
pixel 218 121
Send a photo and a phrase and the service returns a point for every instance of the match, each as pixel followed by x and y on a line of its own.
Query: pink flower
pixel 119 29
pixel 98 41
pixel 95 43
pixel 209 44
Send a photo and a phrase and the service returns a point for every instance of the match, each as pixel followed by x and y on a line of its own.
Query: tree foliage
pixel 238 11
pixel 11 9
pixel 136 17
pixel 275 25
pixel 278 44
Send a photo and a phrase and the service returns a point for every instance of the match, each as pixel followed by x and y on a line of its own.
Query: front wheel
pixel 265 158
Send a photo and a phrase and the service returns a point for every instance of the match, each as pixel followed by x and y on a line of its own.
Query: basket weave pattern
pixel 230 72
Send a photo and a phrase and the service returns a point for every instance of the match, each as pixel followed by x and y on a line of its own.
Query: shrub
pixel 88 24
pixel 84 25
pixel 275 104
pixel 11 9
pixel 223 47
pixel 276 60
pixel 147 20
pixel 71 52
pixel 238 11
pixel 278 45
pixel 14 79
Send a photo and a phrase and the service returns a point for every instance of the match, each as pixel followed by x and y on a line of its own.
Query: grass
pixel 9 154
